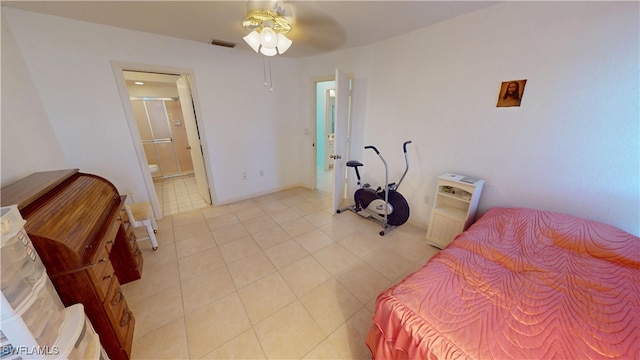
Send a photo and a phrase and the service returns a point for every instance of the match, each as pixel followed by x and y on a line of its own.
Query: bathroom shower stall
pixel 163 135
pixel 162 117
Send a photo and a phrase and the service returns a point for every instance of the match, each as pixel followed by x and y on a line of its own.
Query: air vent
pixel 228 44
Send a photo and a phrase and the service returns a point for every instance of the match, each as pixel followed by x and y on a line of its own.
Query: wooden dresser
pixel 78 225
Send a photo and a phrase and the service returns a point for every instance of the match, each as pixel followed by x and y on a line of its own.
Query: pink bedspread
pixel 519 284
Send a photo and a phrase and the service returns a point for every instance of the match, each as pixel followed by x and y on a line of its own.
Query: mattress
pixel 518 284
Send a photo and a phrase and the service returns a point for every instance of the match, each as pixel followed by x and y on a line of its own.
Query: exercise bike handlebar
pixel 386 168
pixel 372 147
pixel 404 146
pixel 406 160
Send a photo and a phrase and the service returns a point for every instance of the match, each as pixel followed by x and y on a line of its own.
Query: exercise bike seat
pixel 354 163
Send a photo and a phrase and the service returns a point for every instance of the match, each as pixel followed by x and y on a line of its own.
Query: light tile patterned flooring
pixel 324 180
pixel 178 195
pixel 274 277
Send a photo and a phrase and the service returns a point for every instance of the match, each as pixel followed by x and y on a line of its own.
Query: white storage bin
pixel 78 339
pixel 40 315
pixel 11 220
pixel 7 349
pixel 20 265
pixel 33 321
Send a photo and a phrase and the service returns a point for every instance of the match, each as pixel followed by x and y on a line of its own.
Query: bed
pixel 518 284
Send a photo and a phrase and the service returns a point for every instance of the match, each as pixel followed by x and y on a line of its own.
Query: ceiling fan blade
pixel 314 29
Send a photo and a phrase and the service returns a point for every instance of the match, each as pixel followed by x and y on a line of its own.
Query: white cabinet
pixel 454 207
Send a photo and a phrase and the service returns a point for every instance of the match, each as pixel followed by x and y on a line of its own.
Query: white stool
pixel 140 215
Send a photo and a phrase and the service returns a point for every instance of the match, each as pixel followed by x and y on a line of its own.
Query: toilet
pixel 154 170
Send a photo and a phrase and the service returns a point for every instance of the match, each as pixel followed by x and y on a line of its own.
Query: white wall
pixel 573 145
pixel 28 141
pixel 246 127
pixel 355 63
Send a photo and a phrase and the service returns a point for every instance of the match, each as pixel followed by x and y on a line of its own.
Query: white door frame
pixel 193 136
pixel 314 124
pixel 314 112
pixel 118 68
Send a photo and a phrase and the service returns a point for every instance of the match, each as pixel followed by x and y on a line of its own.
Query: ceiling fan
pixel 275 25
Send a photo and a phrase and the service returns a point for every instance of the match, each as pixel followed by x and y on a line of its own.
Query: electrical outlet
pixel 244 176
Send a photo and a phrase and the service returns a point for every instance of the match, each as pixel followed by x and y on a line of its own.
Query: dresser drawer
pixel 103 281
pixel 123 322
pixel 110 235
pixel 123 215
pixel 136 253
pixel 132 240
pixel 128 332
pixel 100 262
pixel 138 259
pixel 125 219
pixel 109 245
pixel 115 303
pixel 115 298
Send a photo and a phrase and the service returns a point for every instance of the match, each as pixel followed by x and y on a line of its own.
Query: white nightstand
pixel 454 207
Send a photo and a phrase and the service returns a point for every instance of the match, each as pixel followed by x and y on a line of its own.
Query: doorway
pixel 332 125
pixel 164 116
pixel 325 121
pixel 163 136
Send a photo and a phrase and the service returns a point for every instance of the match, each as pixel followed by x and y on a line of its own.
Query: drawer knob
pixel 126 318
pixel 107 277
pixel 103 260
pixel 118 297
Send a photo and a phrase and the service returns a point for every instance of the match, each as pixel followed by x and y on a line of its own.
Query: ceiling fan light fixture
pixel 268 38
pixel 283 43
pixel 268 52
pixel 267 31
pixel 253 39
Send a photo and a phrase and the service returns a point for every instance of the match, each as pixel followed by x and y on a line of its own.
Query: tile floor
pixel 324 179
pixel 274 277
pixel 178 195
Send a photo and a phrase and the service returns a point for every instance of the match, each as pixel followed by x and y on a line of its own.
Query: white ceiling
pixel 318 26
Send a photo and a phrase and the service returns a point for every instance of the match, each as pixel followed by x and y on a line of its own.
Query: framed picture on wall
pixel 511 93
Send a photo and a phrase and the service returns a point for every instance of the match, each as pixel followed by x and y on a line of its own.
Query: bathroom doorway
pixel 332 123
pixel 325 121
pixel 164 115
pixel 163 136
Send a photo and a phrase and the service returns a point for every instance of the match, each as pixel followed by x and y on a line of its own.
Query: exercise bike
pixel 385 206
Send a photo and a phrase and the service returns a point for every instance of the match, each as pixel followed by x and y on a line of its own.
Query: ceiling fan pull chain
pixel 264 71
pixel 270 78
